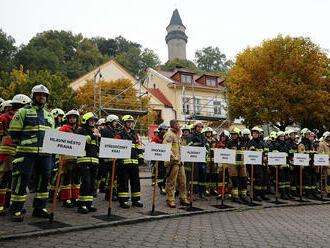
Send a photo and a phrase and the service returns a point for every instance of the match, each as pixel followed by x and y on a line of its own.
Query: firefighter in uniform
pixel 325 149
pixel 223 143
pixel 185 132
pixel 211 167
pixel 70 183
pixel 156 134
pixel 294 170
pixel 161 179
pixel 261 176
pixel 128 169
pixel 7 150
pixel 27 130
pixel 198 139
pixel 109 131
pixel 176 179
pixel 87 165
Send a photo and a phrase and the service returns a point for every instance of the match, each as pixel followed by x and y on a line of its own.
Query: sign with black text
pixel 193 154
pixel 301 159
pixel 115 148
pixel 277 158
pixel 321 159
pixel 57 142
pixel 253 157
pixel 157 152
pixel 224 156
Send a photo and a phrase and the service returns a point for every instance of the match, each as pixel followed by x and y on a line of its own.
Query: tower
pixel 176 38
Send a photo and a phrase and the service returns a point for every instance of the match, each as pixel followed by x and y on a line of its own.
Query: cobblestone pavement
pixel 304 226
pixel 71 217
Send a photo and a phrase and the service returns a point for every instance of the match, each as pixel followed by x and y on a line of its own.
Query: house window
pixel 185 105
pixel 217 107
pixel 197 106
pixel 185 78
pixel 210 82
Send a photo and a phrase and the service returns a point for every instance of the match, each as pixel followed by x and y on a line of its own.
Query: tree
pixel 184 63
pixel 211 59
pixel 283 81
pixel 20 82
pixel 7 52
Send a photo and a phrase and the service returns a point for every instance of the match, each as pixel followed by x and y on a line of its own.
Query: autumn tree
pixel 118 94
pixel 281 82
pixel 211 59
pixel 20 82
pixel 184 63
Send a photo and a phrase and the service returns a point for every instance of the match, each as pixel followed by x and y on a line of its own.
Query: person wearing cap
pixel 88 164
pixel 70 183
pixel 324 148
pixel 161 179
pixel 199 140
pixel 7 150
pixel 128 168
pixel 105 171
pixel 27 130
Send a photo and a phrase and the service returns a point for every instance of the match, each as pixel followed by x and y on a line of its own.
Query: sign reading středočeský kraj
pixel 115 148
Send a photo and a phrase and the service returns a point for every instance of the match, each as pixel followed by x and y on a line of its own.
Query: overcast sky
pixel 231 25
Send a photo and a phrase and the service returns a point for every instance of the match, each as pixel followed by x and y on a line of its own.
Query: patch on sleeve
pixel 16 117
pixel 168 140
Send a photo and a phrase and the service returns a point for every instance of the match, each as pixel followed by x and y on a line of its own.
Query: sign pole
pixel 155 187
pixel 111 186
pixel 252 204
pixel 300 186
pixel 321 183
pixel 276 188
pixel 191 184
pixel 51 217
pixel 223 184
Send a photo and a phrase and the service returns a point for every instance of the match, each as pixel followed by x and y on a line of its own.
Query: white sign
pixel 193 154
pixel 301 159
pixel 253 157
pixel 115 148
pixel 225 156
pixel 158 152
pixel 64 143
pixel 321 159
pixel 277 158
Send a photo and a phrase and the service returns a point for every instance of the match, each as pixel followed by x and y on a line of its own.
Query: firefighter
pixel 161 179
pixel 58 116
pixel 70 183
pixel 185 132
pixel 176 179
pixel 87 165
pixel 156 133
pixel 223 143
pixel 283 171
pixel 5 106
pixel 27 130
pixel 198 139
pixel 128 169
pixel 110 131
pixel 261 176
pixel 211 167
pixel 100 124
pixel 325 149
pixel 238 171
pixel 7 150
pixel 294 170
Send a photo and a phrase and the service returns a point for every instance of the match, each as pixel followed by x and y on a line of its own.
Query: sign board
pixel 253 157
pixel 193 154
pixel 158 152
pixel 321 159
pixel 277 158
pixel 301 159
pixel 225 156
pixel 115 148
pixel 57 142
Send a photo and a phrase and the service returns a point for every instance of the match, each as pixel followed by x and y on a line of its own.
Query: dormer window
pixel 210 82
pixel 186 78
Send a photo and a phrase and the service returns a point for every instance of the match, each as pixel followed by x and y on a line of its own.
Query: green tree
pixel 176 62
pixel 283 81
pixel 20 82
pixel 7 52
pixel 212 59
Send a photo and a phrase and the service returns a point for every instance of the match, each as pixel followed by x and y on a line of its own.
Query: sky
pixel 230 25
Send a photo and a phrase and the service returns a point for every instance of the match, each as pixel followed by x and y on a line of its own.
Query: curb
pixel 144 219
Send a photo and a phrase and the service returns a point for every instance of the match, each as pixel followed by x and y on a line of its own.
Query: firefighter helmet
pixel 39 89
pixel 163 126
pixel 57 111
pixel 111 118
pixel 100 122
pixel 88 116
pixel 21 99
pixel 127 118
pixel 72 112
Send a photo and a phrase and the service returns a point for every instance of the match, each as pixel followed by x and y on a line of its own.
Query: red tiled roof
pixel 161 97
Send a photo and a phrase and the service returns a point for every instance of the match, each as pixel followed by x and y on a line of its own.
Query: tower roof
pixel 176 19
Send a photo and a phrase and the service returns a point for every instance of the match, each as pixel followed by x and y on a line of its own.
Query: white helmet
pixel 225 133
pixel 1 100
pixel 72 112
pixel 39 89
pixel 208 129
pixel 280 133
pixel 185 127
pixel 111 118
pixel 5 104
pixel 100 122
pixel 57 111
pixel 326 134
pixel 21 99
pixel 214 132
pixel 246 131
pixel 305 131
pixel 290 131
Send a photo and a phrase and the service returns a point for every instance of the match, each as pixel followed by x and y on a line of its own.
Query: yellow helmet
pixel 236 130
pixel 88 116
pixel 127 118
pixel 273 136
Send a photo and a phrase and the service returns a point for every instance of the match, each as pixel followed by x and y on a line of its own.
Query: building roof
pixel 161 97
pixel 176 19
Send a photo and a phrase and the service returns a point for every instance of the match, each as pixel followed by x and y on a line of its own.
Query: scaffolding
pixel 129 101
